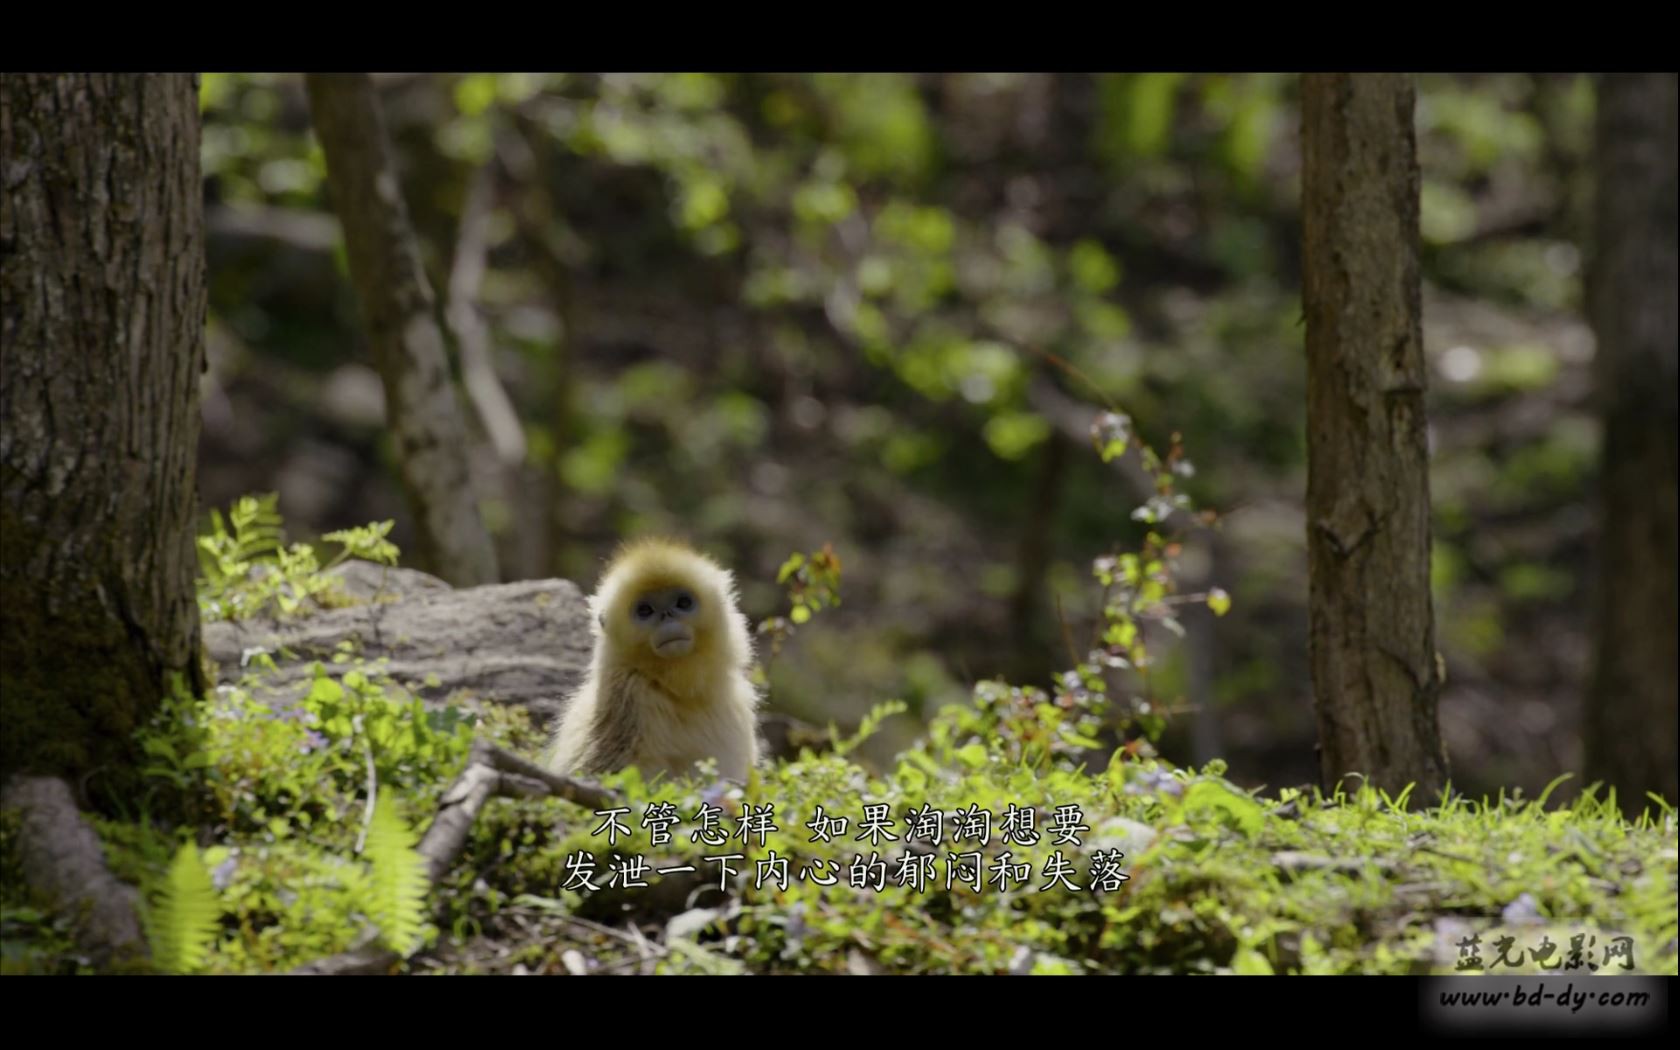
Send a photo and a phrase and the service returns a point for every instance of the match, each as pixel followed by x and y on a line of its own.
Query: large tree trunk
pixel 1630 724
pixel 1375 673
pixel 103 345
pixel 408 348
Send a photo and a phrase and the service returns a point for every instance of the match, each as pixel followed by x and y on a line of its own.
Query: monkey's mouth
pixel 672 639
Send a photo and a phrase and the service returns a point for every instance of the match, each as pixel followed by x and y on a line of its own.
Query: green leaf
pixel 1111 434
pixel 398 885
pixel 1244 811
pixel 871 722
pixel 1219 602
pixel 182 922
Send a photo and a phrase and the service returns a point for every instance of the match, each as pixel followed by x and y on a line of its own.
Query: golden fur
pixel 659 713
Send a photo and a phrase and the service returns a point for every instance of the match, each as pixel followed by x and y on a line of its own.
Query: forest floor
pixel 1139 869
pixel 987 846
pixel 1215 881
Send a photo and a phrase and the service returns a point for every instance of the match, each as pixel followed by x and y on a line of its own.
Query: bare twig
pixel 560 787
pixel 372 787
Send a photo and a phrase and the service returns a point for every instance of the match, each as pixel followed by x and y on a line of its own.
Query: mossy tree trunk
pixel 1630 726
pixel 103 286
pixel 1375 671
pixel 408 347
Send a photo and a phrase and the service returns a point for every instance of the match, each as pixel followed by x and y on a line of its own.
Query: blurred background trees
pixel 773 311
pixel 1632 734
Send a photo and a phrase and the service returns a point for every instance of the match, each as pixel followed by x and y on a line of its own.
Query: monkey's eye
pixel 643 611
pixel 685 602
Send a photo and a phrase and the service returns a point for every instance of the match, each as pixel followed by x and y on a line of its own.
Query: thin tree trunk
pixel 472 335
pixel 1630 726
pixel 1376 676
pixel 408 347
pixel 1032 560
pixel 543 227
pixel 103 286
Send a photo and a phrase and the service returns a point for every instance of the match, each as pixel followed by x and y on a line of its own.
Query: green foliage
pixel 1139 590
pixel 280 778
pixel 1027 726
pixel 1218 879
pixel 259 157
pixel 398 885
pixel 249 570
pixel 813 583
pixel 184 917
pixel 868 727
pixel 882 127
pixel 1137 114
pixel 255 760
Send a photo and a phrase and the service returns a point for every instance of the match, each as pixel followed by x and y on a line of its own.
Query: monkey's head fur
pixel 664 607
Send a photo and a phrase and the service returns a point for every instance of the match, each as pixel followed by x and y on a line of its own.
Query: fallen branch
pixel 490 772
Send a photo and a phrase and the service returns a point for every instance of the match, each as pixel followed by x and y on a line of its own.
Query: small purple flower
pixel 312 741
pixel 224 873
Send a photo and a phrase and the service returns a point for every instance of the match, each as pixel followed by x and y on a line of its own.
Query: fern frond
pixel 185 915
pixel 398 883
pixel 256 526
pixel 869 726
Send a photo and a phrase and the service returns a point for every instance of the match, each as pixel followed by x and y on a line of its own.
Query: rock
pixel 526 644
pixel 368 582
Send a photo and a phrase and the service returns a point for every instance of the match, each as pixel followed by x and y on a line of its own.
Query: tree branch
pixel 472 335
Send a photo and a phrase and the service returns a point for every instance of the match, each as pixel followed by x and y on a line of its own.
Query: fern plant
pixel 248 567
pixel 184 916
pixel 398 882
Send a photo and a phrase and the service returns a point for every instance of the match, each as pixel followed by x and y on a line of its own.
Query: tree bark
pixel 1630 725
pixel 408 348
pixel 1376 676
pixel 103 284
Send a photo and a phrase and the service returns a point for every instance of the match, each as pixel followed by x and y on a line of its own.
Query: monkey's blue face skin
pixel 666 616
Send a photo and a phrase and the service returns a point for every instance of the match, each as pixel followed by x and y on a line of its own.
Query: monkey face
pixel 667 617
